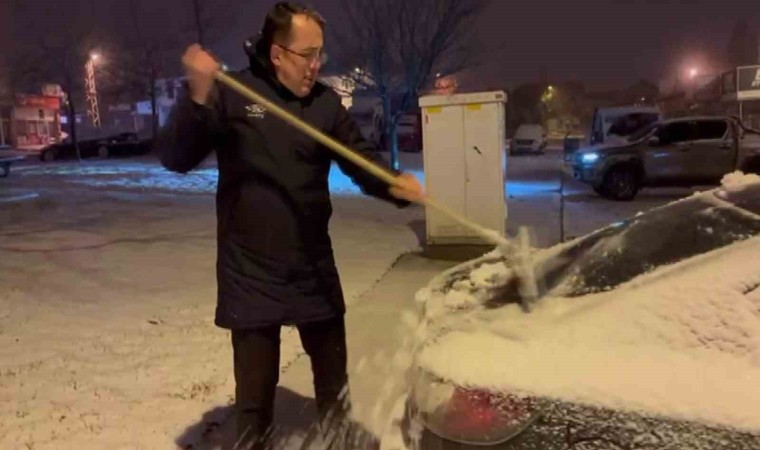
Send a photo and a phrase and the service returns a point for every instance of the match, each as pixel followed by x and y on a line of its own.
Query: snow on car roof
pixel 682 341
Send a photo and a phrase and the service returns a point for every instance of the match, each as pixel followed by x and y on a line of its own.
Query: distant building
pixel 169 90
pixel 30 121
pixel 36 121
pixel 343 85
pixel 734 92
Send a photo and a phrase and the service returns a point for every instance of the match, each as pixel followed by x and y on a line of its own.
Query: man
pixel 275 262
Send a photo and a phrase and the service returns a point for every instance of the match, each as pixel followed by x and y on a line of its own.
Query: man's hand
pixel 200 67
pixel 408 187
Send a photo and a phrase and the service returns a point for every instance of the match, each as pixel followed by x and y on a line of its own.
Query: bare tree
pixel 148 56
pixel 395 48
pixel 743 45
pixel 209 18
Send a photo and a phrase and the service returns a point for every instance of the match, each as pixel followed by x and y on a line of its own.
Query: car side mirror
pixel 654 141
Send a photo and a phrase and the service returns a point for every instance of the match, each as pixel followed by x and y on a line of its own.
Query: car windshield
pixel 621 252
pixel 642 133
pixel 528 131
pixel 631 123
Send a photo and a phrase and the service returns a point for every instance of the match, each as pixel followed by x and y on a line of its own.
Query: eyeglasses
pixel 310 57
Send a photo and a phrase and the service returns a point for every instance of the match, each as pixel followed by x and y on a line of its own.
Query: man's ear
pixel 275 55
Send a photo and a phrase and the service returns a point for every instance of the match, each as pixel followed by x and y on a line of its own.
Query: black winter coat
pixel 275 262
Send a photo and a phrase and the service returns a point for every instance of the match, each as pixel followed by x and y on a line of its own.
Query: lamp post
pixel 91 90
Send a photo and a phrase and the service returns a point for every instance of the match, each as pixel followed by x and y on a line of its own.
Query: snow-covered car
pixel 647 337
pixel 529 138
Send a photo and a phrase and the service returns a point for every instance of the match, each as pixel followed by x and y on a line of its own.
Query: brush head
pixel 525 269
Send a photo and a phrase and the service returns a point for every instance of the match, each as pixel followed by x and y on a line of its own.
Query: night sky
pixel 606 43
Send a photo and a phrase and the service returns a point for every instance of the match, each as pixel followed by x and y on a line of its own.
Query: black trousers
pixel 257 371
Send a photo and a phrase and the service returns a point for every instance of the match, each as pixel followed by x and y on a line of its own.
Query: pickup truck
pixel 688 151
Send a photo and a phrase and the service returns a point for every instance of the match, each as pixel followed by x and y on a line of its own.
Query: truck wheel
pixel 752 165
pixel 621 183
pixel 103 151
pixel 600 190
pixel 47 156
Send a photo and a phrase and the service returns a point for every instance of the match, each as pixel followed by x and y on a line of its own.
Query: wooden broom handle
pixel 353 156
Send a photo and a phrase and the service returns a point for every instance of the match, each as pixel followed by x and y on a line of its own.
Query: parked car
pixel 690 151
pixel 122 144
pixel 88 148
pixel 616 123
pixel 646 338
pixel 528 138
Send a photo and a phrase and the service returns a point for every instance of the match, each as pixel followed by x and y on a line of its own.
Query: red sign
pixel 38 101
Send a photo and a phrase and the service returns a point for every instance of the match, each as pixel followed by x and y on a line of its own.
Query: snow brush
pixel 524 270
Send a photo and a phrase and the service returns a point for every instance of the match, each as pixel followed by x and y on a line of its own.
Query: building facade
pixel 33 122
pixel 732 93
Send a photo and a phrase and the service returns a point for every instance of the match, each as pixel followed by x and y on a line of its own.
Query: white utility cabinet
pixel 464 158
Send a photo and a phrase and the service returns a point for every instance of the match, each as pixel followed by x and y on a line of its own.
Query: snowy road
pixel 107 294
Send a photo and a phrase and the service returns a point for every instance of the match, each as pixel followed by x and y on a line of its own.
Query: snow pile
pixel 682 342
pixel 737 181
pixel 465 292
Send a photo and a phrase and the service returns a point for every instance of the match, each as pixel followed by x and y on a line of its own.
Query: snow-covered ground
pixel 107 298
pixel 107 291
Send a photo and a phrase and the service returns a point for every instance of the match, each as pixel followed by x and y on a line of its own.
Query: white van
pixel 611 124
pixel 529 138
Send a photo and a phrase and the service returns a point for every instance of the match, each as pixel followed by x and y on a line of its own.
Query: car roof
pixel 631 109
pixel 694 118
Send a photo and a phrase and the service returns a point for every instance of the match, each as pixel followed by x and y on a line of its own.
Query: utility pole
pixel 91 91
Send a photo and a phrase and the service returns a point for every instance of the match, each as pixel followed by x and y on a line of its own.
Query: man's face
pixel 298 60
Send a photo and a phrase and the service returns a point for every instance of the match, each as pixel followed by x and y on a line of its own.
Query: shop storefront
pixel 35 121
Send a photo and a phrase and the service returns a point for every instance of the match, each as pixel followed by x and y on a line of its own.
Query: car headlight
pixel 471 415
pixel 589 158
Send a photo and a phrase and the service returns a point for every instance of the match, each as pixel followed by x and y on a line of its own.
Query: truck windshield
pixel 642 133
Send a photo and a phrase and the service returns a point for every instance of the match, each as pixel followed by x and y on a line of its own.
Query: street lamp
pixel 90 89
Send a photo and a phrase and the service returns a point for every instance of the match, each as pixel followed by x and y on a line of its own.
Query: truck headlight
pixel 590 158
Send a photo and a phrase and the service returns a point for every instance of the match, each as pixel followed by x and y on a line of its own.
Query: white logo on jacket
pixel 255 110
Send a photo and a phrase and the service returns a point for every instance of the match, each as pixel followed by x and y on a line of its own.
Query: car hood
pixel 637 348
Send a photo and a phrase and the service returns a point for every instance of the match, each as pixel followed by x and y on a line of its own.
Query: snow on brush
pixel 682 342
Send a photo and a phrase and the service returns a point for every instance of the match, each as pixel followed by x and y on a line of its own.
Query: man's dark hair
pixel 278 23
